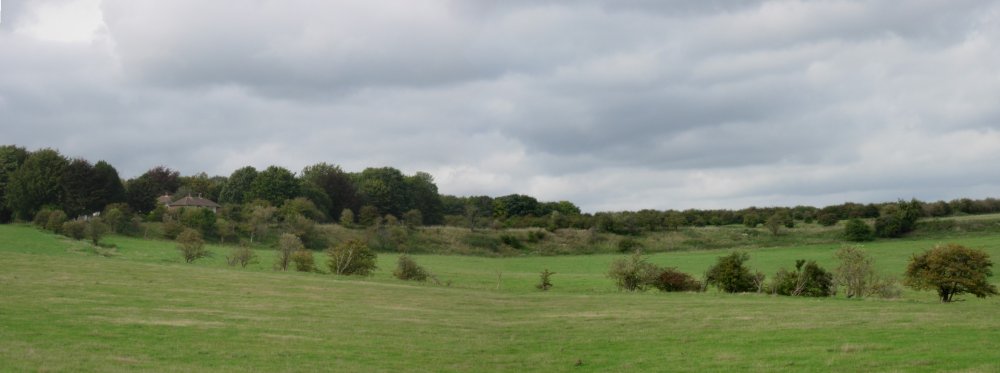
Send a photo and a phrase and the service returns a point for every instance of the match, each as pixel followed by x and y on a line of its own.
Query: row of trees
pixel 32 181
pixel 949 270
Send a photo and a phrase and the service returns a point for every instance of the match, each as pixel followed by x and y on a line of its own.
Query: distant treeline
pixel 32 181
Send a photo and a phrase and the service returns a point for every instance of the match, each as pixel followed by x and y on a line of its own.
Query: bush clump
pixel 856 274
pixel 858 231
pixel 74 229
pixel 730 275
pixel 807 280
pixel 352 257
pixel 407 269
pixel 671 280
pixel 303 260
pixel 633 273
pixel 55 221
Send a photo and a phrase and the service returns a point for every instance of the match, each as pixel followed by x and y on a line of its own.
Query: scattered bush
pixel 407 269
pixel 633 273
pixel 545 282
pixel 352 258
pixel 74 229
pixel 287 244
pixel 671 280
pixel 951 270
pixel 730 275
pixel 858 231
pixel 303 260
pixel 191 245
pixel 241 255
pixel 808 280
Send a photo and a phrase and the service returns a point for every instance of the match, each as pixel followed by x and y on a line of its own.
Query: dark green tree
pixel 423 196
pixel 515 205
pixel 337 185
pixel 858 231
pixel 108 187
pixel 951 270
pixel 384 188
pixel 730 274
pixel 275 185
pixel 37 183
pixel 238 186
pixel 11 158
pixel 79 188
pixel 141 192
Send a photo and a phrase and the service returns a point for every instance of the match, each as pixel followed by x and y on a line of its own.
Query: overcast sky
pixel 612 105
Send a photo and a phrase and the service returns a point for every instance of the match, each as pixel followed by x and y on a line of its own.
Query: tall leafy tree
pixel 423 196
pixel 951 270
pixel 37 183
pixel 79 188
pixel 384 188
pixel 238 186
pixel 108 186
pixel 141 192
pixel 11 158
pixel 336 184
pixel 515 205
pixel 275 185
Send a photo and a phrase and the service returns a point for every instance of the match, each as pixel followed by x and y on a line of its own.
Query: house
pixel 193 202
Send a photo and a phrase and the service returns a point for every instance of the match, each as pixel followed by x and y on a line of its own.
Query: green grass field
pixel 66 306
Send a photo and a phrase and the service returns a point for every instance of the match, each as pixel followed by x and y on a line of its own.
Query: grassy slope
pixel 65 308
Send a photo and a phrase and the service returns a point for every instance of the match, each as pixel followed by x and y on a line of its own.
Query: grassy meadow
pixel 68 306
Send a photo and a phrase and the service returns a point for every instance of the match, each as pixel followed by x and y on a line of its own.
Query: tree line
pixel 32 181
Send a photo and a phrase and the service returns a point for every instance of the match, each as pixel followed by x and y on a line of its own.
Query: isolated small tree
pixel 856 274
pixel 303 260
pixel 241 255
pixel 74 229
pixel 96 229
pixel 287 244
pixel 774 223
pixel 633 273
pixel 407 269
pixel 858 231
pixel 545 280
pixel 347 218
pixel 191 245
pixel 730 275
pixel 951 269
pixel 352 257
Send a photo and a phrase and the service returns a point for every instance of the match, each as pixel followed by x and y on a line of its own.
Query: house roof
pixel 193 202
pixel 164 199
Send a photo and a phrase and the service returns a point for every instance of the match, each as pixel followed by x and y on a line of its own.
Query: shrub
pixel 827 219
pixel 510 240
pixel 407 269
pixel 191 245
pixel 730 275
pixel 55 221
pixel 171 229
pixel 670 280
pixel 74 229
pixel 368 215
pixel 633 273
pixel 241 255
pixel 352 258
pixel 951 269
pixel 347 218
pixel 809 280
pixel 856 274
pixel 545 282
pixel 628 244
pixel 303 260
pixel 536 235
pixel 96 229
pixel 857 230
pixel 287 244
pixel 413 219
pixel 41 218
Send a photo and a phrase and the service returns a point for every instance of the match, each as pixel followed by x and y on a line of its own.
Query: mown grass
pixel 63 307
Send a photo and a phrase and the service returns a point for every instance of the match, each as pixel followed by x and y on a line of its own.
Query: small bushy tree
pixel 55 221
pixel 856 274
pixel 287 244
pixel 951 270
pixel 96 229
pixel 74 229
pixel 352 257
pixel 407 269
pixel 545 280
pixel 633 273
pixel 191 245
pixel 347 218
pixel 730 275
pixel 858 231
pixel 241 255
pixel 303 260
